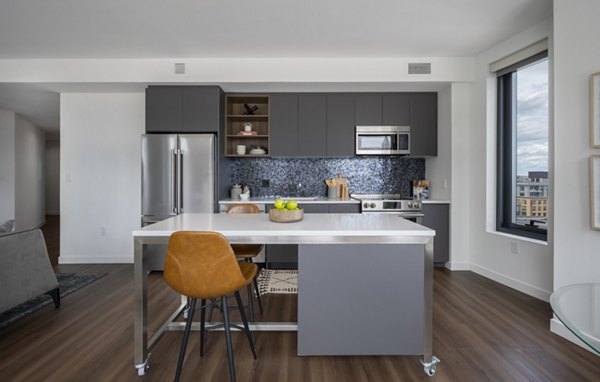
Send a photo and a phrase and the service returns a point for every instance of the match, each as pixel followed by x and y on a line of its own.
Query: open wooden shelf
pixel 235 120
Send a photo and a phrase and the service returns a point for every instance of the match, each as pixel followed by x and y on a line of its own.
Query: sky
pixel 532 118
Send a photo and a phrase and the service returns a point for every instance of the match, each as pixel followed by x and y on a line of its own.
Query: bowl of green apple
pixel 285 211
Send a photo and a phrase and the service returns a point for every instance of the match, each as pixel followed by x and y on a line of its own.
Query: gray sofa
pixel 25 270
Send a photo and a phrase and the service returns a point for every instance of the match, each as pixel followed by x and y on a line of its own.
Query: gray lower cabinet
pixel 344 208
pixel 183 109
pixel 283 122
pixel 437 217
pixel 312 125
pixel 340 125
pixel 423 124
pixel 286 255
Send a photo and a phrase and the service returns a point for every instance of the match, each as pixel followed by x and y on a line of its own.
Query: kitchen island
pixel 365 281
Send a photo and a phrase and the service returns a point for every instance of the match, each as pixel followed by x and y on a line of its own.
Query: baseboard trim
pixel 95 260
pixel 458 266
pixel 511 282
pixel 560 329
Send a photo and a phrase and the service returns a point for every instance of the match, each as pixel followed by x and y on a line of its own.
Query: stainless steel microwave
pixel 382 140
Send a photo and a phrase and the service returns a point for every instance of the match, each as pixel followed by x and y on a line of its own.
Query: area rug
pixel 67 284
pixel 280 281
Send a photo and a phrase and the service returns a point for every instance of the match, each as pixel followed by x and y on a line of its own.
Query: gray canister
pixel 236 191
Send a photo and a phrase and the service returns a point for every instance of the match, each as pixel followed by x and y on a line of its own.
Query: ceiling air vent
pixel 419 68
pixel 180 68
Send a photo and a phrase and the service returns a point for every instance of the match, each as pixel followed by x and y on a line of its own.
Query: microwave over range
pixel 382 140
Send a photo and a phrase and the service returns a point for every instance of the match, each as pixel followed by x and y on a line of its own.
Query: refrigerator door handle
pixel 174 181
pixel 180 182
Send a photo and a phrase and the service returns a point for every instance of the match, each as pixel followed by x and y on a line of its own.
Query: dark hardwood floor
pixel 483 331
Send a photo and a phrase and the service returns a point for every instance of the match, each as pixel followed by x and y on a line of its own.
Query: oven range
pixel 407 208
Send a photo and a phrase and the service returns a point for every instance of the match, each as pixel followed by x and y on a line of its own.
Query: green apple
pixel 280 204
pixel 291 204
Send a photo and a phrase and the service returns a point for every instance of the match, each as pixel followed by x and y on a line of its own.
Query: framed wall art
pixel 595 110
pixel 595 191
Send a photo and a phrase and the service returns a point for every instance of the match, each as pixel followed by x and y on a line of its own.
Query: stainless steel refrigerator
pixel 178 175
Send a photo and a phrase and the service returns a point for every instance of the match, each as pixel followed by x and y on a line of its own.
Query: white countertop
pixel 314 228
pixel 300 200
pixel 435 201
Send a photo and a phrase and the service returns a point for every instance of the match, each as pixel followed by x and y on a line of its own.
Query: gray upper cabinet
pixel 284 124
pixel 368 110
pixel 340 125
pixel 396 109
pixel 163 109
pixel 423 124
pixel 312 124
pixel 201 111
pixel 183 109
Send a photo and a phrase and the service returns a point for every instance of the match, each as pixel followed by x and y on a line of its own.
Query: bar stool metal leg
pixel 245 321
pixel 202 325
pixel 186 335
pixel 228 338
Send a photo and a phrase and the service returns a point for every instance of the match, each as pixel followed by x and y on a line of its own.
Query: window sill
pixel 519 237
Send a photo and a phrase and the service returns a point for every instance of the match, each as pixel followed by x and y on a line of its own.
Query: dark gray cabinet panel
pixel 286 255
pixel 312 125
pixel 423 124
pixel 368 110
pixel 201 109
pixel 183 109
pixel 315 208
pixel 396 109
pixel 163 109
pixel 437 217
pixel 284 124
pixel 344 208
pixel 340 125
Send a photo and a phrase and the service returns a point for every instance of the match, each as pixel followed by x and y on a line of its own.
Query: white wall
pixel 234 70
pixel 7 166
pixel 576 246
pixel 29 175
pixel 531 270
pixel 461 188
pixel 100 166
pixel 52 172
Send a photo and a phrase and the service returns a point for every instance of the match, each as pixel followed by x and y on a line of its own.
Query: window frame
pixel 506 169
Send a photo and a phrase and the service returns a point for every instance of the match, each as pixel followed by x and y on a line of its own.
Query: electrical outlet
pixel 103 231
pixel 445 184
pixel 514 247
pixel 265 183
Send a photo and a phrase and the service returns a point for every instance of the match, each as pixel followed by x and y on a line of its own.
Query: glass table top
pixel 578 308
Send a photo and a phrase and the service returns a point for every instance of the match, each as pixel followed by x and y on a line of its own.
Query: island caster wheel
pixel 430 367
pixel 142 370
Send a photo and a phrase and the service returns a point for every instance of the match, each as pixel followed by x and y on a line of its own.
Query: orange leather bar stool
pixel 202 265
pixel 247 251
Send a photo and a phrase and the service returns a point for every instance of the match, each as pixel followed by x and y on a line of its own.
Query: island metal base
pixel 143 344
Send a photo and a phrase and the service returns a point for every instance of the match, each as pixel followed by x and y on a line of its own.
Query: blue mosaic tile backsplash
pixel 366 175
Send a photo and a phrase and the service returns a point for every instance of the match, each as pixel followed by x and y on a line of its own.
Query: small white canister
pixel 236 191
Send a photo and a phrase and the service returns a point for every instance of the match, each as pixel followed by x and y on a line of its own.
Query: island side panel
pixel 360 299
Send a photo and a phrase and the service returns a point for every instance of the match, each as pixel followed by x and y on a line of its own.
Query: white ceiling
pixel 241 28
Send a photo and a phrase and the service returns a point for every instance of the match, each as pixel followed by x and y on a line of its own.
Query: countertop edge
pixel 435 202
pixel 300 201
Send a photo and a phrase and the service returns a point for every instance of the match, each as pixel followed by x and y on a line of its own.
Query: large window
pixel 522 194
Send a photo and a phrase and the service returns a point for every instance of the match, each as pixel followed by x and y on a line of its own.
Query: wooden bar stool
pixel 202 265
pixel 247 251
